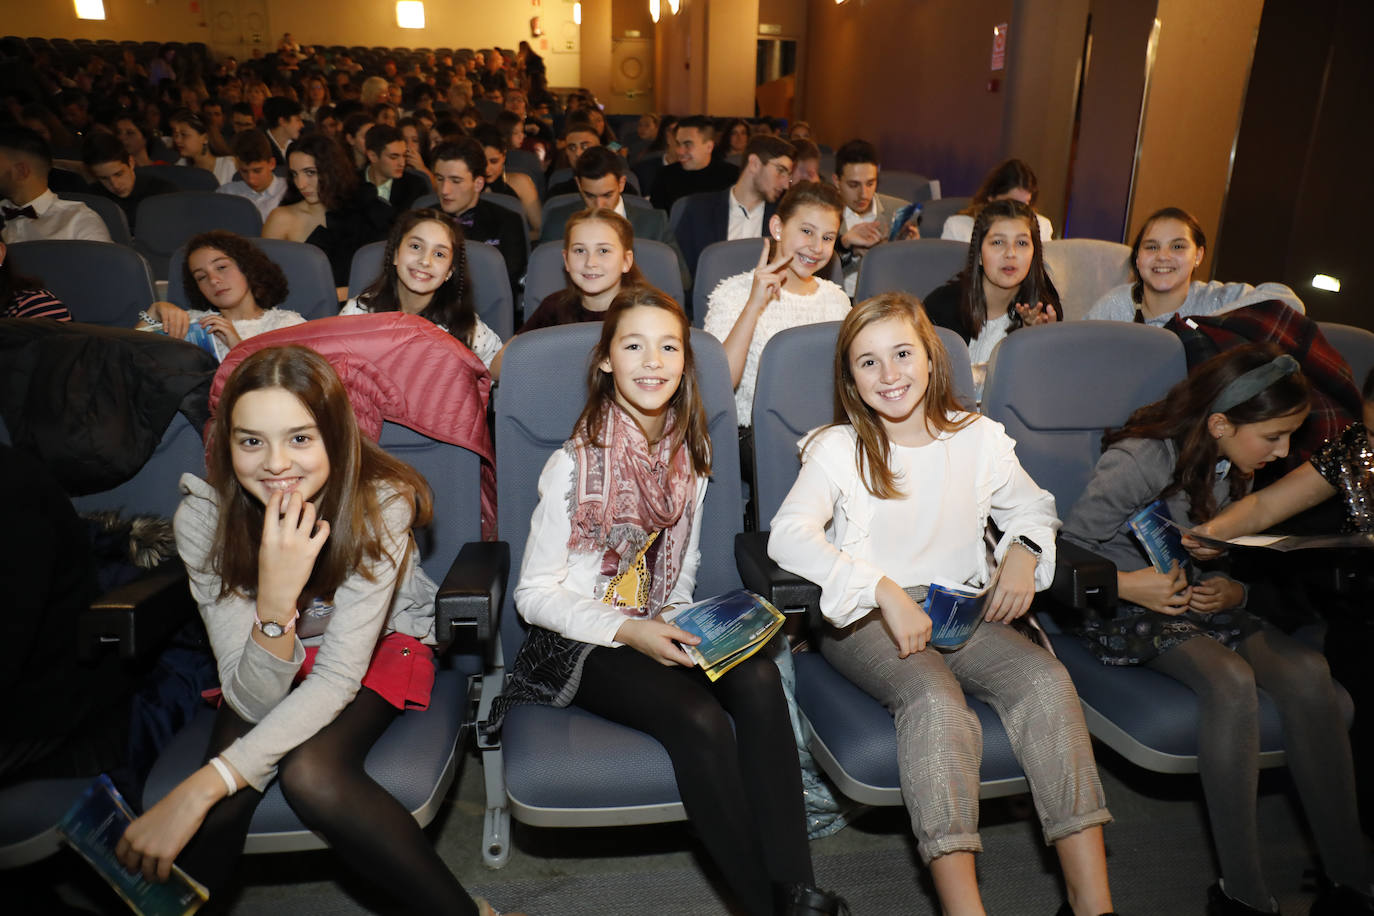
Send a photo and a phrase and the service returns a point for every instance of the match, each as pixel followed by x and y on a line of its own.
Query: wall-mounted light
pixel 90 9
pixel 577 13
pixel 674 6
pixel 654 11
pixel 1330 284
pixel 410 14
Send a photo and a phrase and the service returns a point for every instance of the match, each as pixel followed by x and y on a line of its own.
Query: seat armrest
pixel 138 616
pixel 469 600
pixel 1083 580
pixel 785 591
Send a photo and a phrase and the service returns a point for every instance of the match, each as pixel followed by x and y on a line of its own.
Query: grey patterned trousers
pixel 940 742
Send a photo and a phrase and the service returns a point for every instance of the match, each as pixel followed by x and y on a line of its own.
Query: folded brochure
pixel 1283 542
pixel 94 825
pixel 732 627
pixel 955 611
pixel 1154 527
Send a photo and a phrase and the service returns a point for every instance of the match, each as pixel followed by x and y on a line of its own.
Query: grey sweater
pixel 1203 299
pixel 256 683
pixel 1129 476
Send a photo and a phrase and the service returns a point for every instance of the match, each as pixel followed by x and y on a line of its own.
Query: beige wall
pixel 631 15
pixel 596 48
pixel 731 50
pixel 790 14
pixel 452 23
pixel 1202 66
pixel 125 20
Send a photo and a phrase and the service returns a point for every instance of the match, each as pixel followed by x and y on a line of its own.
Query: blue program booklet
pixel 955 611
pixel 94 826
pixel 732 627
pixel 1155 529
pixel 903 216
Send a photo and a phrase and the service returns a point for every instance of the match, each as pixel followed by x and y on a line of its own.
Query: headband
pixel 1246 386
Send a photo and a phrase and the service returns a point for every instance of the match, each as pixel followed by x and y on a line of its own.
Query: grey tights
pixel 1318 751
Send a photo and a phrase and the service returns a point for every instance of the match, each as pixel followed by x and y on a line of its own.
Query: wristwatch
pixel 1030 545
pixel 273 630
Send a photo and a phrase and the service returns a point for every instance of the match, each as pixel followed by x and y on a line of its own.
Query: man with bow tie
pixel 30 209
pixel 460 173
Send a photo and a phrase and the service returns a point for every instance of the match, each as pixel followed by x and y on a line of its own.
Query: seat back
pixel 657 261
pixel 935 212
pixel 1083 270
pixel 558 202
pixel 168 221
pixel 909 186
pixel 543 385
pixel 1355 344
pixel 675 212
pixel 108 211
pixel 491 295
pixel 513 204
pixel 185 177
pixel 789 403
pixel 527 163
pixel 454 476
pixel 1057 388
pixel 916 266
pixel 153 490
pixel 309 279
pixel 99 282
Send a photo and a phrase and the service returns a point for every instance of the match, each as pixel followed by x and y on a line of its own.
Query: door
pixel 632 75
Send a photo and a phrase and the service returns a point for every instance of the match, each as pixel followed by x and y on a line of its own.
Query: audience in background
pixel 460 170
pixel 386 169
pixel 500 181
pixel 191 138
pixel 743 210
pixel 257 179
pixel 110 164
pixel 695 169
pixel 1012 179
pixel 867 214
pixel 31 210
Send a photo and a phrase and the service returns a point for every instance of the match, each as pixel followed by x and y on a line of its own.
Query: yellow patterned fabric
pixel 630 589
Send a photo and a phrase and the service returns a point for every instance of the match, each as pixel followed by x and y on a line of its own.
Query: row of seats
pixel 115 282
pixel 564 767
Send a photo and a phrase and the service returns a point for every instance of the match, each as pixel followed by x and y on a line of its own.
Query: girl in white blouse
pixel 612 543
pixel 746 310
pixel 899 494
pixel 425 273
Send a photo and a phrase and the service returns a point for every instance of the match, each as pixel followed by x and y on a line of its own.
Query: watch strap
pixel 285 627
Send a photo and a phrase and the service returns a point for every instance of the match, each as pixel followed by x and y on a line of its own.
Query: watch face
pixel 272 629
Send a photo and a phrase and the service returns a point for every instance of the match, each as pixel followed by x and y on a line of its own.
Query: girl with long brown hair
pixel 612 543
pixel 895 494
pixel 301 559
pixel 1197 450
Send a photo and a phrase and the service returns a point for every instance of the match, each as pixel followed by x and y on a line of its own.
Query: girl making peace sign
pixel 747 309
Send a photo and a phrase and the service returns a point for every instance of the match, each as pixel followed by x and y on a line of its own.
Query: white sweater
pixel 831 530
pixel 562 591
pixel 789 310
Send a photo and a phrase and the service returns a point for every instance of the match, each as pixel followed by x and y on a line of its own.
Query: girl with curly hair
pixel 233 288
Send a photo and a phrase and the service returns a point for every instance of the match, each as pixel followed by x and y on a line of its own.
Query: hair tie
pixel 1249 384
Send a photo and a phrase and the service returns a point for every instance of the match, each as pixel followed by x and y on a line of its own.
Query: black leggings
pixel 1314 737
pixel 742 787
pixel 325 784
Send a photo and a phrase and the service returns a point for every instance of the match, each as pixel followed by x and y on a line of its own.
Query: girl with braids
pixel 897 492
pixel 1198 450
pixel 1002 287
pixel 301 512
pixel 1166 252
pixel 425 273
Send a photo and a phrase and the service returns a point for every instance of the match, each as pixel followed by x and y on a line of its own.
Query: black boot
pixel 801 900
pixel 1218 904
pixel 1339 900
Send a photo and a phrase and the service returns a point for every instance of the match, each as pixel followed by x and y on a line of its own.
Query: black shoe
pixel 1218 904
pixel 1339 900
pixel 800 900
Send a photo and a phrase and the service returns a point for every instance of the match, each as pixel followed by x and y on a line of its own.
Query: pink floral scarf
pixel 626 491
